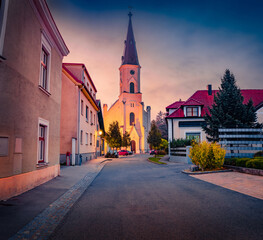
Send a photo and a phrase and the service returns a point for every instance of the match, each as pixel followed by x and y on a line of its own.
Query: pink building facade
pixel 80 128
pixel 31 53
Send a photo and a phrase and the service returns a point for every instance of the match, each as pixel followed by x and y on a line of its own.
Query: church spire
pixel 130 52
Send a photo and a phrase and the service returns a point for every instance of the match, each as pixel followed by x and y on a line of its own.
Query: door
pixel 73 151
pixel 133 146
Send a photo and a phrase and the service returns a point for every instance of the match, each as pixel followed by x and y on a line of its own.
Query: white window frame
pixel 45 123
pixel 45 44
pixel 3 19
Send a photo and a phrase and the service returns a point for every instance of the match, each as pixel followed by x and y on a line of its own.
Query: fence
pixel 180 154
pixel 241 142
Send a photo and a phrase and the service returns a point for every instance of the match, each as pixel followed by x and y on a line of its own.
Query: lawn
pixel 156 159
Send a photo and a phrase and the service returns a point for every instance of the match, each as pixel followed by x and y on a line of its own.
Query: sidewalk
pixel 47 203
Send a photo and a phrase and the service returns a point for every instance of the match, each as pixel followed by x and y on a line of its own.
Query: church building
pixel 128 110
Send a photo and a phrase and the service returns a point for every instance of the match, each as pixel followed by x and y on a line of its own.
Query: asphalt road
pixel 135 199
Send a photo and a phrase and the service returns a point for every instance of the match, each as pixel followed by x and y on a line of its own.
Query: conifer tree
pixel 228 110
pixel 155 137
pixel 113 136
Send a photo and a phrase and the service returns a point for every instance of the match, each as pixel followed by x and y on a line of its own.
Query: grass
pixel 156 159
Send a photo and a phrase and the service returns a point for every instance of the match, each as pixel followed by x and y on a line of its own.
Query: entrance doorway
pixel 133 146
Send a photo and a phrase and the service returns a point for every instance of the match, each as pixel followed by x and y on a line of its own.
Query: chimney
pixel 209 89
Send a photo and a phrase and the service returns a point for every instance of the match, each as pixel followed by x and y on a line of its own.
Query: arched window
pixel 132 118
pixel 131 87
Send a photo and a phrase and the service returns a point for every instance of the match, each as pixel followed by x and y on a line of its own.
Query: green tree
pixel 164 145
pixel 113 136
pixel 228 110
pixel 161 124
pixel 126 139
pixel 155 137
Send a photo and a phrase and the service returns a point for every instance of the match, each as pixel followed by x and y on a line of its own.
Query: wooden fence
pixel 241 142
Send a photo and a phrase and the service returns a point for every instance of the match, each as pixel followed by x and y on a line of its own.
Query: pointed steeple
pixel 130 52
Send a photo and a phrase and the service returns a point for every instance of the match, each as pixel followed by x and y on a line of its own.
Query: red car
pixel 123 152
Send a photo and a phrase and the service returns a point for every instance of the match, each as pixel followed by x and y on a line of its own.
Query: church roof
pixel 130 53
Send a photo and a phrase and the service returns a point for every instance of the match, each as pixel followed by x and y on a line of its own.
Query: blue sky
pixel 182 45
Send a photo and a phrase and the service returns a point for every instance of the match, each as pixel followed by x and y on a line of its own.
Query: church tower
pixel 130 67
pixel 128 110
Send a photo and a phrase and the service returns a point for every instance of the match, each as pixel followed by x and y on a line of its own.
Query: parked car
pixel 153 152
pixel 130 152
pixel 123 152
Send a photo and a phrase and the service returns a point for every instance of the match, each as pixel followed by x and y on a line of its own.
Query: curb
pixel 252 171
pixel 43 225
pixel 206 172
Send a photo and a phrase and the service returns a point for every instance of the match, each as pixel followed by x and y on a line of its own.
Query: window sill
pixel 42 165
pixel 44 90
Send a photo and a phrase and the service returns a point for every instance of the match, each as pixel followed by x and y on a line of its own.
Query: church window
pixel 132 118
pixel 132 87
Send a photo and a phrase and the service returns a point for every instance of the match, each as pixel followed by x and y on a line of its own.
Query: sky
pixel 182 45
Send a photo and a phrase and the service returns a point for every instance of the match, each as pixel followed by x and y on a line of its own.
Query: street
pixel 132 198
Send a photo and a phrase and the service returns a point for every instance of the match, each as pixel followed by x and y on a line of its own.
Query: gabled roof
pixel 76 68
pixel 192 102
pixel 130 53
pixel 73 75
pixel 175 105
pixel 202 98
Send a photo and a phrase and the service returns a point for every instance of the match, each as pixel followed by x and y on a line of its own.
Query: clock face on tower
pixel 132 72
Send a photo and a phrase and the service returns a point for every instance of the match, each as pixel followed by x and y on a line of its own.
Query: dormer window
pixel 192 112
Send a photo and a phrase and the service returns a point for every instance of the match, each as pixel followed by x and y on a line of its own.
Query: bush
pixel 241 162
pixel 161 152
pixel 207 156
pixel 180 142
pixel 230 161
pixel 255 163
pixel 258 154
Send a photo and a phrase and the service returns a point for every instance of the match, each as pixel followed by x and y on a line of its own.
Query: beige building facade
pixel 128 110
pixel 31 53
pixel 80 128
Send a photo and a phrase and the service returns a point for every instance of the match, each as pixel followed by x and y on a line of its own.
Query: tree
pixel 155 137
pixel 164 145
pixel 126 140
pixel 228 110
pixel 161 124
pixel 113 136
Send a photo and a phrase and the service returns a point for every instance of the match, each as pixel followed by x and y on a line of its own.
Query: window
pixel 81 137
pixel 87 113
pixel 91 118
pixel 132 87
pixel 98 143
pixel 4 146
pixel 91 139
pixel 43 78
pixel 87 138
pixel 3 17
pixel 132 117
pixel 192 111
pixel 43 128
pixel 45 59
pixel 81 107
pixel 132 104
pixel 193 135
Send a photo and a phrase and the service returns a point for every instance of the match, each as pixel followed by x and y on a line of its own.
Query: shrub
pixel 207 155
pixel 180 142
pixel 241 162
pixel 258 154
pixel 255 163
pixel 230 161
pixel 161 152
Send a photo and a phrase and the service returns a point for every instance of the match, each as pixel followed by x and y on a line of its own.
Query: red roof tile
pixel 175 105
pixel 202 97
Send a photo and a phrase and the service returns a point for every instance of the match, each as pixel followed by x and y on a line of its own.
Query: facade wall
pixel 69 114
pixel 180 132
pixel 260 115
pixel 22 101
